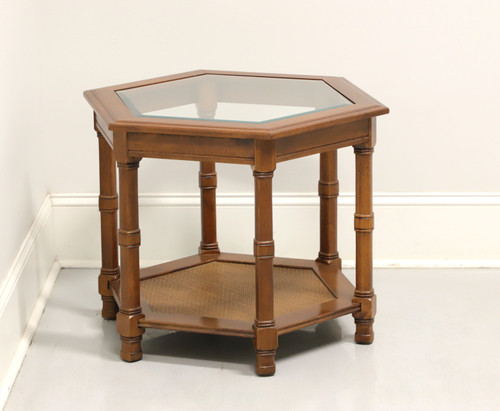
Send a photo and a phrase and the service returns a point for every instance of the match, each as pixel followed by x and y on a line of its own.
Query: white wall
pixel 434 63
pixel 26 242
pixel 22 166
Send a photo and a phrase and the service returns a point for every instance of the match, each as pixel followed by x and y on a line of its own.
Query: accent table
pixel 243 118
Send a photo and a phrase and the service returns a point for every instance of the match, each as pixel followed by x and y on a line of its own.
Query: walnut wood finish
pixel 266 335
pixel 364 225
pixel 328 189
pixel 129 238
pixel 208 185
pixel 108 206
pixel 128 138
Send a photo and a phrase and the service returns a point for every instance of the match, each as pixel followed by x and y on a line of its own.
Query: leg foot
pixel 127 326
pixel 265 343
pixel 131 349
pixel 265 365
pixel 109 308
pixel 364 331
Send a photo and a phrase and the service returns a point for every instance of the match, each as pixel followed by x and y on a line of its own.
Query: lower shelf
pixel 216 294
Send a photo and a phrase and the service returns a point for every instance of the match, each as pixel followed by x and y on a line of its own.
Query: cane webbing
pixel 227 290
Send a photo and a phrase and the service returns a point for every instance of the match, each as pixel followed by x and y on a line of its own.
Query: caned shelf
pixel 215 293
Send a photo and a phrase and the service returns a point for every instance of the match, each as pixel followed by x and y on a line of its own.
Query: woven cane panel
pixel 227 290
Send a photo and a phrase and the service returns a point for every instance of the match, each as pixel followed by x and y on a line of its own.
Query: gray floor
pixel 436 348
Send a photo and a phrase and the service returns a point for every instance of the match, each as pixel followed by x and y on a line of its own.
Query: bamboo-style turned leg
pixel 266 337
pixel 129 239
pixel 208 185
pixel 364 224
pixel 328 190
pixel 108 205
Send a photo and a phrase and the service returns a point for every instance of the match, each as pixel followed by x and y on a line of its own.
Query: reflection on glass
pixel 232 98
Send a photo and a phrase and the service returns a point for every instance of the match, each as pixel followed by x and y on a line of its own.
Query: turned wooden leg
pixel 129 239
pixel 364 224
pixel 328 190
pixel 108 205
pixel 266 336
pixel 208 185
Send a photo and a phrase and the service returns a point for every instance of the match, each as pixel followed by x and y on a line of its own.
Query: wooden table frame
pixel 125 139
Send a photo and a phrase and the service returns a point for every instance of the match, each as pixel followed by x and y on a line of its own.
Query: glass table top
pixel 218 97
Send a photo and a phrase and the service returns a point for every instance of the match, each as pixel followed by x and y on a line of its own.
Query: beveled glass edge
pixel 342 94
pixel 126 100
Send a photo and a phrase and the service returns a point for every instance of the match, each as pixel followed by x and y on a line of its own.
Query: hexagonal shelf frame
pixel 215 293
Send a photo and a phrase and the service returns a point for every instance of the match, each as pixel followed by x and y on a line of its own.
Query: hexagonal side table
pixel 242 118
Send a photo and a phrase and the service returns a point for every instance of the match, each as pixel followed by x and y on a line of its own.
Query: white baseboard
pixel 411 230
pixel 349 264
pixel 23 295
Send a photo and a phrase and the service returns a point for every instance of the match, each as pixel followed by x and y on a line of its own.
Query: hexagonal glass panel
pixel 232 98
